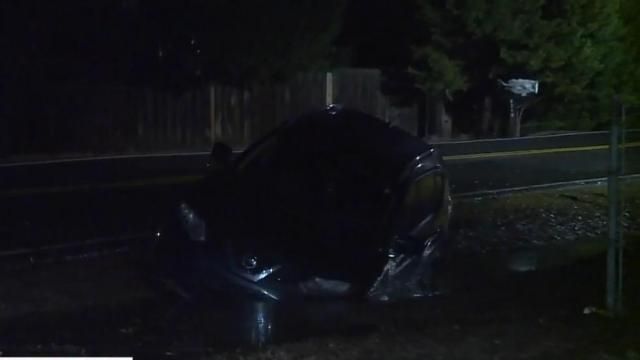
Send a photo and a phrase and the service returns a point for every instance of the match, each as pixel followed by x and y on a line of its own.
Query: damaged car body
pixel 334 203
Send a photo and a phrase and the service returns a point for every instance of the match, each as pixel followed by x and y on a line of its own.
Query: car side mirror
pixel 221 156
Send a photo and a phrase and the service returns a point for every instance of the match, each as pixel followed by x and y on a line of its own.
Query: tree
pixel 629 74
pixel 237 41
pixel 508 35
pixel 471 44
pixel 170 41
pixel 175 44
pixel 587 36
pixel 571 46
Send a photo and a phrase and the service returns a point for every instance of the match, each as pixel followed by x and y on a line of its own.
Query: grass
pixel 550 219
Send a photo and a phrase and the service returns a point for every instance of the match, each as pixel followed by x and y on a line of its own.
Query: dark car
pixel 333 203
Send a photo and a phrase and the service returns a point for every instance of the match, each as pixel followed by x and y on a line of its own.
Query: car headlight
pixel 192 223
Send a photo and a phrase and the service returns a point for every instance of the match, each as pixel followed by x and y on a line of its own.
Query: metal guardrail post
pixel 615 248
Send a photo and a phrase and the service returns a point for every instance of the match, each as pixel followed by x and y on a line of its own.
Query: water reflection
pixel 268 322
pixel 261 323
pixel 255 323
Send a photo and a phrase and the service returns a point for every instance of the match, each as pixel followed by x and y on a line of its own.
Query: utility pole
pixel 615 245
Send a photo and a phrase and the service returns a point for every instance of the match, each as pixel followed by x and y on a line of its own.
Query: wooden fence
pixel 84 118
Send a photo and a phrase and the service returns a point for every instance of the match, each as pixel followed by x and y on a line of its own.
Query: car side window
pixel 422 197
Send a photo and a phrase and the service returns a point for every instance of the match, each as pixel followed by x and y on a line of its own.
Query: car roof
pixel 391 148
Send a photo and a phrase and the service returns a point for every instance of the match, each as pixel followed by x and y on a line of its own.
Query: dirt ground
pixel 527 282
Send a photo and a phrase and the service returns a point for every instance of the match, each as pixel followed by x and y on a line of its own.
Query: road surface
pixel 50 203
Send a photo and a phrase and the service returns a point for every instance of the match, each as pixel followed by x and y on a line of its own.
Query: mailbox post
pixel 519 90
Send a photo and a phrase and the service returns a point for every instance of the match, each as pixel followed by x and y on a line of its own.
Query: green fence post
pixel 614 249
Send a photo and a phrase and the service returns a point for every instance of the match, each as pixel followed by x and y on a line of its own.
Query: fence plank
pixel 115 118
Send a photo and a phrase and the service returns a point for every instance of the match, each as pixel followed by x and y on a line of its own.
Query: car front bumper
pixel 196 269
